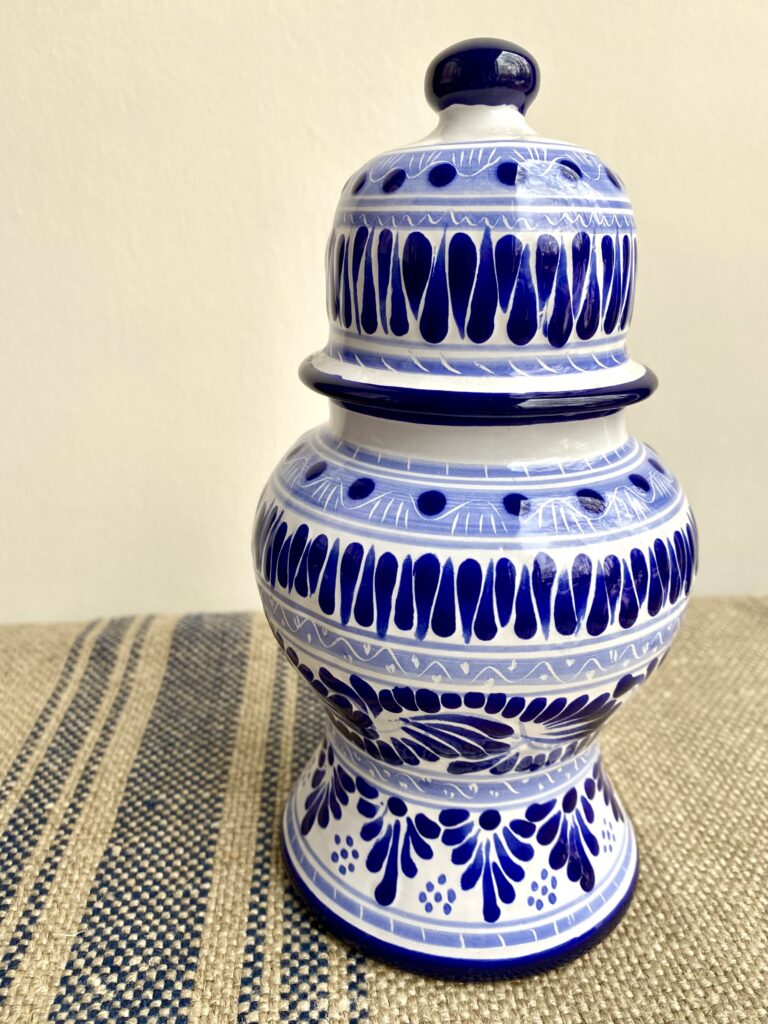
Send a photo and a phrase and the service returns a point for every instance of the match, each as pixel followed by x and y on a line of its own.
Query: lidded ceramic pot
pixel 472 563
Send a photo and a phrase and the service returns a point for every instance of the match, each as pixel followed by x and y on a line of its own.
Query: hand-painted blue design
pixel 492 851
pixel 393 181
pixel 531 599
pixel 474 277
pixel 361 488
pixel 437 896
pixel 315 470
pixel 431 503
pixel 434 317
pixel 565 825
pixel 330 790
pixel 573 171
pixel 523 318
pixel 361 237
pixel 473 731
pixel 345 854
pixel 441 175
pixel 509 252
pixel 604 787
pixel 506 172
pixel 384 260
pixel 549 171
pixel 544 890
pixel 484 296
pixel 396 837
pixel 417 262
pixel 399 315
pixel 462 263
pixel 561 323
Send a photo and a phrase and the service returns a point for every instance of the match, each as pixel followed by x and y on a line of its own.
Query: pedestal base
pixel 493 877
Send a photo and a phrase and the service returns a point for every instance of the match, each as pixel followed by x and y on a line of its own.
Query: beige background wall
pixel 168 174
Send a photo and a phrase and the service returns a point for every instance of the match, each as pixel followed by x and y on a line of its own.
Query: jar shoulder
pixel 620 492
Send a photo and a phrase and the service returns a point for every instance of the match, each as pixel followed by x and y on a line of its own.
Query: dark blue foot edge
pixel 450 968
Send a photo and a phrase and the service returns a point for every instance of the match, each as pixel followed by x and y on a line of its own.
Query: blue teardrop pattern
pixel 580 253
pixel 606 246
pixel 404 602
pixel 581 581
pixel 364 599
pixel 484 296
pixel 368 318
pixel 547 252
pixel 363 586
pixel 444 612
pixel 339 267
pixel 485 620
pixel 417 263
pixel 384 585
pixel 351 561
pixel 434 319
pixel 384 265
pixel 426 573
pixel 599 612
pixel 561 322
pixel 358 249
pixel 462 264
pixel 525 617
pixel 509 251
pixel 346 294
pixel 613 305
pixel 468 583
pixel 543 577
pixel 565 612
pixel 327 596
pixel 505 590
pixel 423 283
pixel 399 316
pixel 589 317
pixel 523 320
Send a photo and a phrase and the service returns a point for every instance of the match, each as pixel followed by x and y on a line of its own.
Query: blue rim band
pixel 419 405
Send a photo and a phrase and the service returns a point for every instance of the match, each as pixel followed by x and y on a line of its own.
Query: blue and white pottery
pixel 472 563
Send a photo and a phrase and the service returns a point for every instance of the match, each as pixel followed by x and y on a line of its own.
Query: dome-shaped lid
pixel 484 273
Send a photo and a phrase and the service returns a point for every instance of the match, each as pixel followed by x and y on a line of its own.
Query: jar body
pixel 471 603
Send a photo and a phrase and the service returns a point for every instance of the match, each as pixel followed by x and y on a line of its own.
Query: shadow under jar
pixel 472 562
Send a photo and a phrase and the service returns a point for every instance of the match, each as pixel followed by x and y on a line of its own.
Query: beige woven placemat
pixel 144 763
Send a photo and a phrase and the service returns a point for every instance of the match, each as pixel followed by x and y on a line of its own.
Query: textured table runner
pixel 144 765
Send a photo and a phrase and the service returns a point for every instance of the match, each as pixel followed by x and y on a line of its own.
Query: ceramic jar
pixel 472 563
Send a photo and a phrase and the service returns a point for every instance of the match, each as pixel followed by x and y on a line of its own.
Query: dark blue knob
pixel 490 71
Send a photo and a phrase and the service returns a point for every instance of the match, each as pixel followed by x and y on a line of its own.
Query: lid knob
pixel 488 71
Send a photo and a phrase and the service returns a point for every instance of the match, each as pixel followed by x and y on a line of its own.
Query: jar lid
pixel 484 274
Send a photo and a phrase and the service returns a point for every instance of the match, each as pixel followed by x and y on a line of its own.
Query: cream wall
pixel 168 174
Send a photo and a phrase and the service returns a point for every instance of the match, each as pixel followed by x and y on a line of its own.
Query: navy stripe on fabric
pixel 28 746
pixel 357 988
pixel 253 953
pixel 304 959
pixel 31 814
pixel 137 946
pixel 25 927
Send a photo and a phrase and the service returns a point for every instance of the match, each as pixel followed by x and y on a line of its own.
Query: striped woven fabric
pixel 144 764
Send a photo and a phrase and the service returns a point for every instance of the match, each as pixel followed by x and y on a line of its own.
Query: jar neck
pixel 477 445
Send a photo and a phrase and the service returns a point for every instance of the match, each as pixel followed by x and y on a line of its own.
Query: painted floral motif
pixel 437 896
pixel 565 825
pixel 397 839
pixel 491 852
pixel 473 731
pixel 330 787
